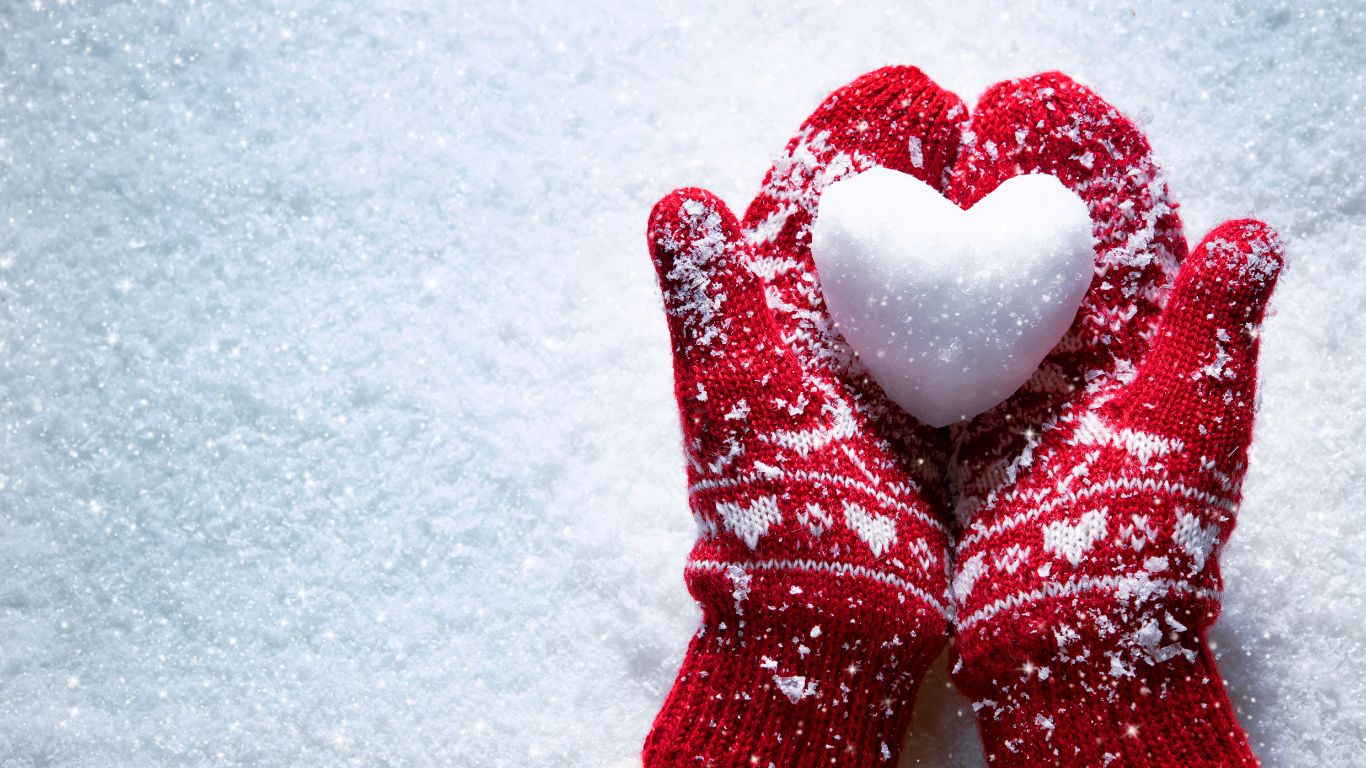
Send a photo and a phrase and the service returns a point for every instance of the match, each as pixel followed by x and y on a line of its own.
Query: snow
pixel 795 687
pixel 338 426
pixel 951 310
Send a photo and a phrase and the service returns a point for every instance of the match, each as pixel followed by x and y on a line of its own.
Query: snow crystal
pixel 1155 564
pixel 795 687
pixel 914 146
pixel 740 580
pixel 1149 635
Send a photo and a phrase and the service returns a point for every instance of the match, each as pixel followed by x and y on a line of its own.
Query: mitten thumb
pixel 1199 380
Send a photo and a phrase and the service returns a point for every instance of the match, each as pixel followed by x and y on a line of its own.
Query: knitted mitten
pixel 820 564
pixel 1097 498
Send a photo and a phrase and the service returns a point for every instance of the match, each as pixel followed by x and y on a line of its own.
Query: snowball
pixel 951 310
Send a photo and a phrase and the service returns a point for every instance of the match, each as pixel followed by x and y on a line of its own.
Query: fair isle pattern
pixel 824 567
pixel 897 497
pixel 1075 586
pixel 821 559
pixel 1094 501
pixel 1049 500
pixel 905 123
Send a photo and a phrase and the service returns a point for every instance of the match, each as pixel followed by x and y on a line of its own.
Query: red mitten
pixel 820 563
pixel 1097 498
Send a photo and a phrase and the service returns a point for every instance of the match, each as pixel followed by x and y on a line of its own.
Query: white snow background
pixel 336 419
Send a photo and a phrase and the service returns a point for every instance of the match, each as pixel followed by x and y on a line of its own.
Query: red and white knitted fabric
pixel 821 562
pixel 1092 504
pixel 1095 500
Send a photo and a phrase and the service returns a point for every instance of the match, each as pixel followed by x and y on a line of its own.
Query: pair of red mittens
pixel 1068 539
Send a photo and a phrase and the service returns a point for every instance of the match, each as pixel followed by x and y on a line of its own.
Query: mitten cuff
pixel 1171 713
pixel 796 669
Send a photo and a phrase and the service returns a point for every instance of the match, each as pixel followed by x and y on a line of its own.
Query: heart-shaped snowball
pixel 951 310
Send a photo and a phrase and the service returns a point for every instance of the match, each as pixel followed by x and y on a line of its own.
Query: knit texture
pixel 822 555
pixel 1096 499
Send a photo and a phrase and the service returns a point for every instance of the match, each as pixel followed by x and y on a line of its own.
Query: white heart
pixel 1074 540
pixel 1196 540
pixel 951 310
pixel 877 531
pixel 750 522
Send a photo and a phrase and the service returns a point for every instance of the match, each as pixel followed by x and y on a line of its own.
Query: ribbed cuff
pixel 815 670
pixel 1174 713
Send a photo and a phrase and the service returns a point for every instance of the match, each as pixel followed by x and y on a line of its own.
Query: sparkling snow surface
pixel 336 395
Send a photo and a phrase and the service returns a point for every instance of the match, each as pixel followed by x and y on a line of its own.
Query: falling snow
pixel 338 419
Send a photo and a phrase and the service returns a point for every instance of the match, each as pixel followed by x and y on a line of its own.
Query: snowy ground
pixel 336 400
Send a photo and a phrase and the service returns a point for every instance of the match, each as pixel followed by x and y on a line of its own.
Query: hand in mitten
pixel 820 564
pixel 1096 499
